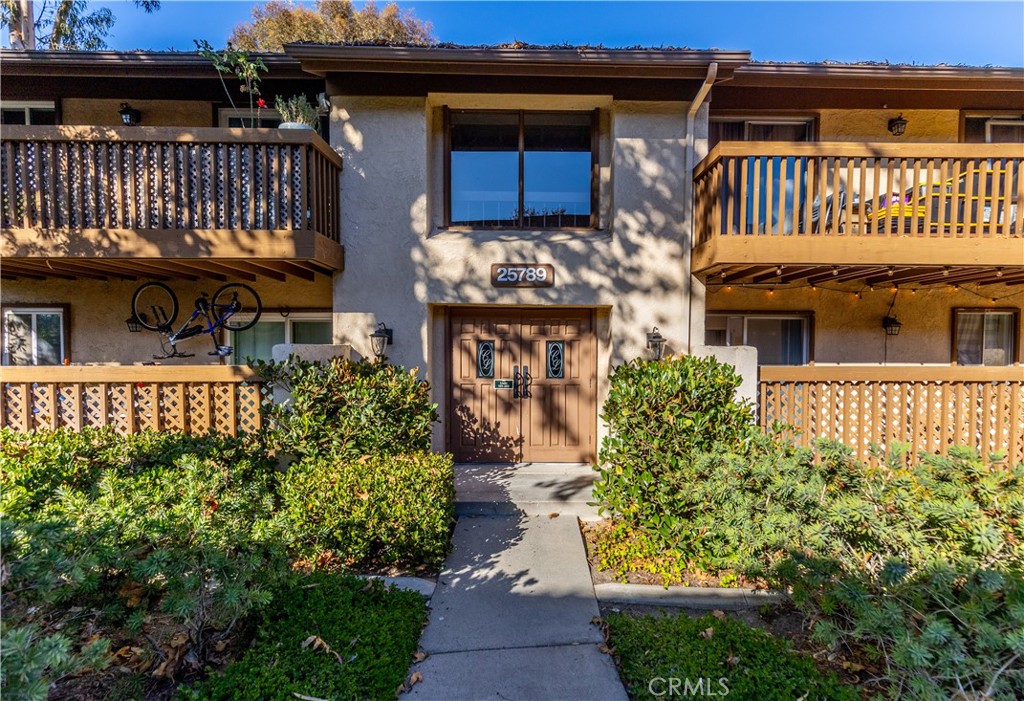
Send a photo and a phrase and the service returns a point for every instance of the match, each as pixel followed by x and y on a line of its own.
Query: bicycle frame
pixel 215 316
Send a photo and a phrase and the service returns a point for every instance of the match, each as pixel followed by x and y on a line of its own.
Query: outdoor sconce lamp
pixel 891 325
pixel 133 323
pixel 656 343
pixel 380 340
pixel 129 115
pixel 897 125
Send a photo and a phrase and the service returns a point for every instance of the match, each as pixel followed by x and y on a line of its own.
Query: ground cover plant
pixel 152 558
pixel 915 570
pixel 327 637
pixel 675 656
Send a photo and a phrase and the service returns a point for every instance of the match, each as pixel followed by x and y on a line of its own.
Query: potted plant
pixel 297 113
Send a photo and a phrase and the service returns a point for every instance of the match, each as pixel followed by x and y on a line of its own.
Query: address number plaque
pixel 522 275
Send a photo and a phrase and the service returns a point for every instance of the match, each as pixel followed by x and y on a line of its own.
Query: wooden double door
pixel 523 385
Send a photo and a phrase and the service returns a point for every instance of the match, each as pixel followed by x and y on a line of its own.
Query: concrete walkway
pixel 511 617
pixel 533 489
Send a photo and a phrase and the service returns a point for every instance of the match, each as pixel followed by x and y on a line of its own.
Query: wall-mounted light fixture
pixel 380 340
pixel 656 343
pixel 891 325
pixel 129 115
pixel 133 323
pixel 897 125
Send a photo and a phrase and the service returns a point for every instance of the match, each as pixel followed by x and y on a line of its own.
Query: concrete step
pixel 530 489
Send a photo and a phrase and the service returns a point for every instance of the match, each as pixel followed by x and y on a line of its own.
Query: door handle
pixel 526 382
pixel 515 382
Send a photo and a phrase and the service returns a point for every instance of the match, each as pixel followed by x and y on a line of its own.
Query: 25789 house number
pixel 520 275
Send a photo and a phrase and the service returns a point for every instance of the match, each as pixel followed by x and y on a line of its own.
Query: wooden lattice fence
pixel 190 399
pixel 929 408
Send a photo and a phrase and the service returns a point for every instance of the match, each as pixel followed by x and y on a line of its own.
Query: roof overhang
pixel 129 64
pixel 877 76
pixel 572 62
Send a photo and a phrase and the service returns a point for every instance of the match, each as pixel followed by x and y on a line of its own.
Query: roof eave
pixel 621 63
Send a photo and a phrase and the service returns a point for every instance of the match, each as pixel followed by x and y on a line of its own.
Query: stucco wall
pixel 872 125
pixel 99 309
pixel 848 329
pixel 403 269
pixel 155 113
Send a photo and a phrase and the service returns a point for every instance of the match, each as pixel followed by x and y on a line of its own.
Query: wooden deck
pixel 788 212
pixel 119 202
pixel 928 408
pixel 187 398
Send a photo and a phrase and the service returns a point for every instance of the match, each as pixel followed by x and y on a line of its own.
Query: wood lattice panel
pixel 226 399
pixel 983 409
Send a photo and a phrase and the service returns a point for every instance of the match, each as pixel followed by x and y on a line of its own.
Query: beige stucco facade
pixel 155 113
pixel 98 309
pixel 923 126
pixel 847 319
pixel 405 269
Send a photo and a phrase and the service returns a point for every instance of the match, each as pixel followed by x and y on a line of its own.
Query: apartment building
pixel 522 220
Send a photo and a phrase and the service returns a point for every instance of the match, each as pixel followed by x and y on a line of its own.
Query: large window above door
pixel 521 170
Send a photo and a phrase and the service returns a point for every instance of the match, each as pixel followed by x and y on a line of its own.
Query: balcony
pixel 99 202
pixel 880 213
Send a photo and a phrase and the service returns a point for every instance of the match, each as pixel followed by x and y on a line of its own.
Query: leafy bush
pixel 722 655
pixel 326 637
pixel 101 529
pixel 386 510
pixel 345 409
pixel 916 568
pixel 659 415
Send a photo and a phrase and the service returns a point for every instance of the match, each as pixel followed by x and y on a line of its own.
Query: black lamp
pixel 897 125
pixel 656 343
pixel 133 323
pixel 891 325
pixel 380 340
pixel 129 115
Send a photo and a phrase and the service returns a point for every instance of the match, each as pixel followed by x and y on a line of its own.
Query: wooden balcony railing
pixel 929 408
pixel 800 198
pixel 189 398
pixel 157 179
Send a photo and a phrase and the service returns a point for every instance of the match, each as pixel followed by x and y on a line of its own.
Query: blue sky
pixel 975 33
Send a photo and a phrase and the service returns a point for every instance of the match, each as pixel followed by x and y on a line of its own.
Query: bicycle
pixel 155 306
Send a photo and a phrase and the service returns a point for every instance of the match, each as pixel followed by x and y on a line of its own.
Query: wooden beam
pixel 58 271
pixel 178 244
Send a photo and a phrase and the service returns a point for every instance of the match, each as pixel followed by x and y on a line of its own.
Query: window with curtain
pixel 993 130
pixel 34 336
pixel 258 342
pixel 985 337
pixel 779 339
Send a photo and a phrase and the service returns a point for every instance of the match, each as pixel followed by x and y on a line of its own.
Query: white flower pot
pixel 294 125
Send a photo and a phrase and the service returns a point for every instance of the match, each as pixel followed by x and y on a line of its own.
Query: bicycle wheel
pixel 236 299
pixel 155 306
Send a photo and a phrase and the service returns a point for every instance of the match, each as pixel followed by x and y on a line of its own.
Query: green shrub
pixel 325 637
pixel 345 409
pixel 100 529
pixel 378 511
pixel 659 415
pixel 728 658
pixel 932 633
pixel 30 661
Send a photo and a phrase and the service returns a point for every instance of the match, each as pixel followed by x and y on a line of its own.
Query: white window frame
pixel 1000 122
pixel 35 312
pixel 768 122
pixel 224 114
pixel 747 316
pixel 1014 332
pixel 276 317
pixel 27 105
pixel 756 120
